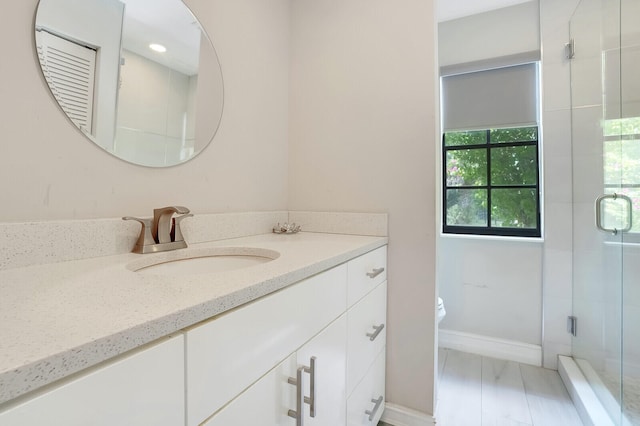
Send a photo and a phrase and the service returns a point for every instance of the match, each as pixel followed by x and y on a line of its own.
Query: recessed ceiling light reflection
pixel 157 47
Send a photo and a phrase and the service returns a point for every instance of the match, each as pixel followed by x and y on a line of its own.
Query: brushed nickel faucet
pixel 163 233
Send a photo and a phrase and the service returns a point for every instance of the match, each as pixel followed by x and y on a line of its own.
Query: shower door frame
pixel 602 213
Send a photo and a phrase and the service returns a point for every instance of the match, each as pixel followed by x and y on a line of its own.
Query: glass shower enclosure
pixel 605 102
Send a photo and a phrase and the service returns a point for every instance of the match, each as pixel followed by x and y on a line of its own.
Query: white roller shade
pixel 69 69
pixel 500 97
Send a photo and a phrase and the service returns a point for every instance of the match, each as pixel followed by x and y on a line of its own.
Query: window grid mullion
pixel 488 178
pixel 494 145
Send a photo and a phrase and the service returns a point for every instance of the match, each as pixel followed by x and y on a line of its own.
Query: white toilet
pixel 441 311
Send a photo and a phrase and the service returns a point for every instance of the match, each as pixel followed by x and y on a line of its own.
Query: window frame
pixel 620 135
pixel 490 230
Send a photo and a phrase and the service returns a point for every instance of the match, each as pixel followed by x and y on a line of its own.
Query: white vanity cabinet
pixel 367 334
pixel 241 365
pixel 366 403
pixel 268 401
pixel 366 338
pixel 144 388
pixel 231 351
pixel 329 349
pixel 365 273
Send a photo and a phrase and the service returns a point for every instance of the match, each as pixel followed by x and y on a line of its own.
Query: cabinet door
pixel 329 350
pixel 366 403
pixel 266 403
pixel 367 334
pixel 145 388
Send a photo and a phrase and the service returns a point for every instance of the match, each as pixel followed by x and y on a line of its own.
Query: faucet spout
pixel 162 222
pixel 163 233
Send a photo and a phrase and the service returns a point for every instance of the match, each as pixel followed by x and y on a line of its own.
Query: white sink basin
pixel 202 261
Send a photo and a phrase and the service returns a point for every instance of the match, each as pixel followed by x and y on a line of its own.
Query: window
pixel 491 179
pixel 622 174
pixel 491 182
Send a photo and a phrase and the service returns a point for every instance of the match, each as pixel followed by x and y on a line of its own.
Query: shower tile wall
pixel 556 119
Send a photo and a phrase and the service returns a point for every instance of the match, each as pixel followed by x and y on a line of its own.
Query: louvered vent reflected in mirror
pixel 69 69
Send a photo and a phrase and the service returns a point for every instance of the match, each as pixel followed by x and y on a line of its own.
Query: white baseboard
pixel 510 350
pixel 398 415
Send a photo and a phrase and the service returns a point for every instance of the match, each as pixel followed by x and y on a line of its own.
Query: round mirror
pixel 139 78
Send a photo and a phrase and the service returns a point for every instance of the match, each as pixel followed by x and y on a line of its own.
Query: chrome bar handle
pixel 375 272
pixel 372 336
pixel 372 413
pixel 298 382
pixel 613 196
pixel 312 386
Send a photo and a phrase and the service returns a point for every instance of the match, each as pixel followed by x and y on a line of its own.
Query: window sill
pixel 536 240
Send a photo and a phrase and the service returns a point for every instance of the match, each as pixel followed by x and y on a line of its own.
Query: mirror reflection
pixel 139 78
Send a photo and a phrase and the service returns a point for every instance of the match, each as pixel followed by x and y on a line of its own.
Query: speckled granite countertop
pixel 58 319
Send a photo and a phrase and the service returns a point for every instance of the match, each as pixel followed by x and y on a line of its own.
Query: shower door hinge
pixel 572 325
pixel 570 49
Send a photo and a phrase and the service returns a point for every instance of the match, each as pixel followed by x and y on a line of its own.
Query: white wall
pixel 491 286
pixel 501 32
pixel 153 103
pixel 50 171
pixel 363 139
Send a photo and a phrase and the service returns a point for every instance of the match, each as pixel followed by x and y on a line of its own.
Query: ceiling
pixel 167 22
pixel 452 9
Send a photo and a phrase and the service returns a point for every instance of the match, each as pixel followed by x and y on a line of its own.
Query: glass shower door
pixel 606 194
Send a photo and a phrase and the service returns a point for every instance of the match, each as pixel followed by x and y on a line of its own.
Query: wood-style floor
pixel 480 391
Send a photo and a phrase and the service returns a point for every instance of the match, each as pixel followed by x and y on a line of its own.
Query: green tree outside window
pixel 491 182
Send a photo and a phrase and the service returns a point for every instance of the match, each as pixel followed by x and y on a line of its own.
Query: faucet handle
pixel 176 231
pixel 145 238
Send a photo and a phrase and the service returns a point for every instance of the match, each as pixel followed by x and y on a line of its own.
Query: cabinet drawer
pixel 228 353
pixel 144 388
pixel 366 403
pixel 366 272
pixel 365 319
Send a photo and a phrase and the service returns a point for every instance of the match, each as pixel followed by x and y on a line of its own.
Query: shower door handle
pixel 613 196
